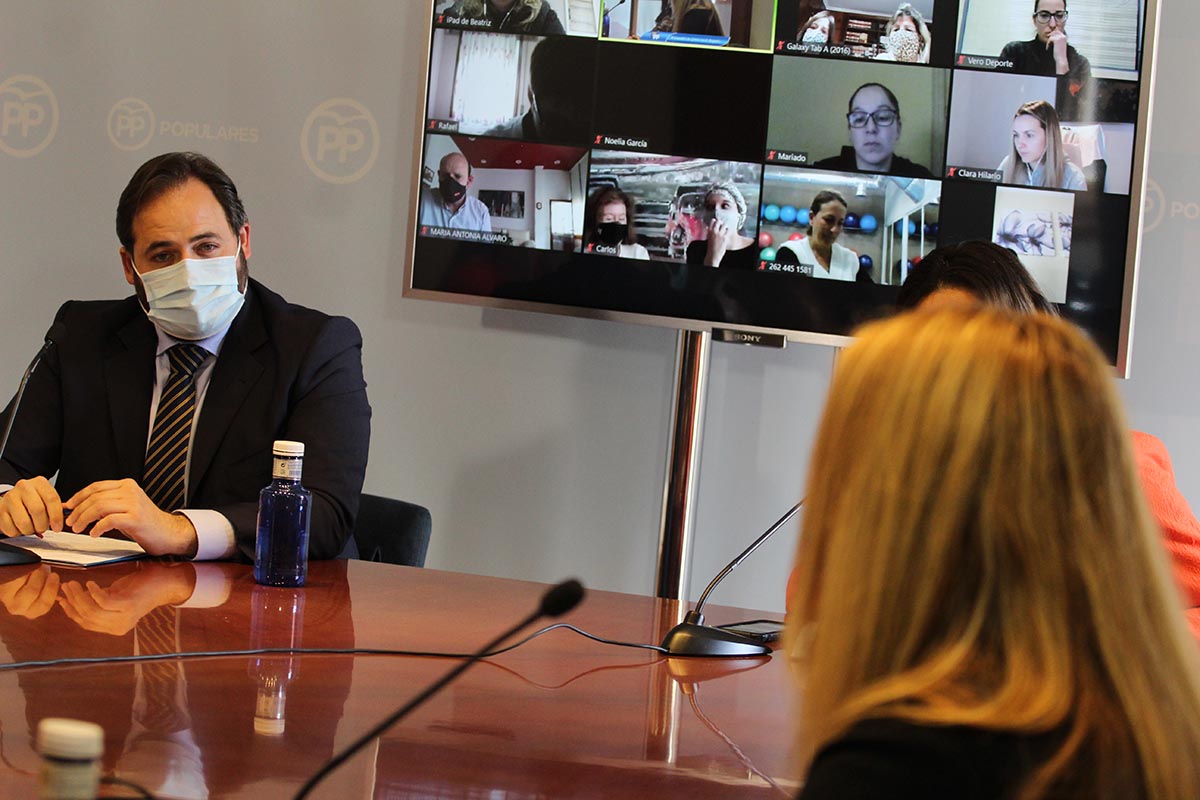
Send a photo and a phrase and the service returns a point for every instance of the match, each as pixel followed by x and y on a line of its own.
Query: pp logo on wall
pixel 28 116
pixel 130 124
pixel 1155 208
pixel 340 140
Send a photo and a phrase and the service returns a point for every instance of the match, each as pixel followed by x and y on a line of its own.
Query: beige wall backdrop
pixel 538 442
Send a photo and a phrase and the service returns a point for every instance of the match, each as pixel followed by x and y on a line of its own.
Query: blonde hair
pixel 906 10
pixel 1015 170
pixel 976 551
pixel 478 8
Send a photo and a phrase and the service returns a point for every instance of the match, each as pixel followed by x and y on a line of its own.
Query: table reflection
pixel 156 713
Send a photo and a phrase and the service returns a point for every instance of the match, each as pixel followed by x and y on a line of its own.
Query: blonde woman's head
pixel 976 551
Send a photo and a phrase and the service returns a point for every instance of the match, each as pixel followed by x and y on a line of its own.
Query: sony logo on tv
pixel 757 339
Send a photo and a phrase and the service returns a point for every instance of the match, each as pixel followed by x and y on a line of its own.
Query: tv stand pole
pixel 683 464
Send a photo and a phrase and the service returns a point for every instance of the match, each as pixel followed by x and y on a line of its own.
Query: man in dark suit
pixel 265 369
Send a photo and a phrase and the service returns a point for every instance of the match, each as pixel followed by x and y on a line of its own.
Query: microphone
pixel 10 555
pixel 53 335
pixel 557 601
pixel 693 638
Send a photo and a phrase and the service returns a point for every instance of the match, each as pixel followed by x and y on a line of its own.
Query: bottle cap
pixel 70 738
pixel 265 726
pixel 286 448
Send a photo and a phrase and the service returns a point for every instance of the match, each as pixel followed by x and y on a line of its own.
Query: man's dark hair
pixel 170 170
pixel 988 271
pixel 565 113
pixel 550 70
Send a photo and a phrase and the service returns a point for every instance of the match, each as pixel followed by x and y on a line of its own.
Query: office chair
pixel 391 531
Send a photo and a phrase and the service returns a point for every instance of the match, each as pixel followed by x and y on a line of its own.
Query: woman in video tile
pixel 820 250
pixel 724 217
pixel 1037 151
pixel 873 122
pixel 818 29
pixel 608 221
pixel 696 16
pixel 907 38
pixel 534 17
pixel 1048 52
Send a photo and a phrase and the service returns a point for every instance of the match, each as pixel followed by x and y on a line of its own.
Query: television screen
pixel 777 167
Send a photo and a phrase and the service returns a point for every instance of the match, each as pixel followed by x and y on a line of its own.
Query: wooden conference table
pixel 561 716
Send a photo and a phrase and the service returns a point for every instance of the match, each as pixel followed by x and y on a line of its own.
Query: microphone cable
pixel 557 601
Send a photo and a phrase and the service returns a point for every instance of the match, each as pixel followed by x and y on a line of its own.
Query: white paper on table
pixel 77 549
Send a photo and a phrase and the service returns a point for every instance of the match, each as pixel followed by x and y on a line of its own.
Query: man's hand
pixel 123 506
pixel 30 507
pixel 32 594
pixel 117 609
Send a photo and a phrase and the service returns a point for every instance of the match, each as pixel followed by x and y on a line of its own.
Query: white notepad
pixel 77 549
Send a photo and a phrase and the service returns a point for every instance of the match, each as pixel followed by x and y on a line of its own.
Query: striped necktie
pixel 161 702
pixel 166 457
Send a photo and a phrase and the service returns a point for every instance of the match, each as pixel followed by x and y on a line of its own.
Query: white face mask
pixel 814 36
pixel 731 219
pixel 194 298
pixel 904 45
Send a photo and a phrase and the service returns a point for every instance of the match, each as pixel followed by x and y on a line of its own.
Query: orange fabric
pixel 1181 530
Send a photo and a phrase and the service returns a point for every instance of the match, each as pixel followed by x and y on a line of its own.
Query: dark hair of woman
pixel 988 271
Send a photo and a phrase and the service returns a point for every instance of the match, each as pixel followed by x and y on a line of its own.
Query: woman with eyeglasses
pixel 1049 53
pixel 873 120
pixel 907 38
pixel 1037 157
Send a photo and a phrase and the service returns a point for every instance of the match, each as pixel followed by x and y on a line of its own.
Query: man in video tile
pixel 873 121
pixel 1049 53
pixel 559 103
pixel 449 206
pixel 534 17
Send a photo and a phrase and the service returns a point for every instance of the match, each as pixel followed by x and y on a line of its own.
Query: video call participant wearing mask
pixel 818 29
pixel 609 216
pixel 1048 52
pixel 820 250
pixel 724 217
pixel 907 37
pixel 448 205
pixel 873 123
pixel 265 369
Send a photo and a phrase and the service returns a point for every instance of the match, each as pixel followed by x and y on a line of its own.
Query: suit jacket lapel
pixel 235 373
pixel 129 380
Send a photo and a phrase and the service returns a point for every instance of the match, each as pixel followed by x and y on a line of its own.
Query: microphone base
pixel 11 556
pixel 689 639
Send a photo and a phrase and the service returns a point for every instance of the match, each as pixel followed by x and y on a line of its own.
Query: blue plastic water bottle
pixel 284 508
